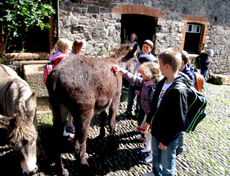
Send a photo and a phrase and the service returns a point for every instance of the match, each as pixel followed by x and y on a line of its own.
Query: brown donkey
pixel 85 86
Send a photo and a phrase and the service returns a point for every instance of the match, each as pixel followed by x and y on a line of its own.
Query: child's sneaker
pixel 141 138
pixel 136 130
pixel 71 129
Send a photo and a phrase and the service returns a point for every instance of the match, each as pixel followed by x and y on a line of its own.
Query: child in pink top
pixel 62 51
pixel 77 48
pixel 150 76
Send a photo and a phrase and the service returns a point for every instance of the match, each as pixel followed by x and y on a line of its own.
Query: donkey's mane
pixel 21 130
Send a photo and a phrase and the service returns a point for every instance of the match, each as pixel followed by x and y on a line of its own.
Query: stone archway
pixel 143 15
pixel 139 9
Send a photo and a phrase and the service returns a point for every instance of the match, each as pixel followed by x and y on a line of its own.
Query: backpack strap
pixel 58 60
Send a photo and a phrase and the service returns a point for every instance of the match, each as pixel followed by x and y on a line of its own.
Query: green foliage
pixel 2 59
pixel 17 16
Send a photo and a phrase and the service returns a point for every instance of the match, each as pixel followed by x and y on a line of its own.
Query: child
pixel 63 50
pixel 79 47
pixel 148 81
pixel 189 71
pixel 143 59
pixel 168 111
pixel 146 50
pixel 186 68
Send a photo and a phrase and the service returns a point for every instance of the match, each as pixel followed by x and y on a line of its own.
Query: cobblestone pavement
pixel 207 149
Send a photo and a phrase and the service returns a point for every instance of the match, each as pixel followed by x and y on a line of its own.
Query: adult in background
pixel 131 94
pixel 132 41
pixel 205 61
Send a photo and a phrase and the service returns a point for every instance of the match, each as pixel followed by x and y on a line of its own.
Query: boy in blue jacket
pixel 168 112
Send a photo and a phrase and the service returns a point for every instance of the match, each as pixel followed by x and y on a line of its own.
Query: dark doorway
pixel 143 26
pixel 35 40
pixel 192 38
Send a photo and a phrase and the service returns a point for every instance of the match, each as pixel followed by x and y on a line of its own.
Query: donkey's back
pixel 84 80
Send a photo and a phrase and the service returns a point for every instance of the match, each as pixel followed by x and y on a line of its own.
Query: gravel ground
pixel 207 149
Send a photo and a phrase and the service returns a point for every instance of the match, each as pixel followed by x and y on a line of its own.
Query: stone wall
pixel 98 25
pixel 219 41
pixel 98 21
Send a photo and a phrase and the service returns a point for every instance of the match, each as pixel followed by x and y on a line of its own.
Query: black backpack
pixel 196 109
pixel 198 62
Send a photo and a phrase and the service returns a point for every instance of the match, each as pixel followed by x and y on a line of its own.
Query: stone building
pixel 190 25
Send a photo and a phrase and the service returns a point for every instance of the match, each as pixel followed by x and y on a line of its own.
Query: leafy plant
pixel 18 16
pixel 2 59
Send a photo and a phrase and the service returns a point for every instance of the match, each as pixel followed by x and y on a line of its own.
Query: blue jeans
pixel 180 147
pixel 131 97
pixel 164 160
pixel 204 72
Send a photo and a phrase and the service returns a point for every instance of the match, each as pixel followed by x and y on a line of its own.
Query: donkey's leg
pixel 102 116
pixel 59 118
pixel 112 116
pixel 112 122
pixel 82 121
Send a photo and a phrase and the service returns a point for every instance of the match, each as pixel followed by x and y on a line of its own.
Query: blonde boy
pixel 168 111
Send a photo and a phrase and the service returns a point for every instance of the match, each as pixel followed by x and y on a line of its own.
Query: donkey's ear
pixel 5 121
pixel 31 102
pixel 135 48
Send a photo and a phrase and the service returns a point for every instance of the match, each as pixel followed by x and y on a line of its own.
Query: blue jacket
pixel 150 54
pixel 189 71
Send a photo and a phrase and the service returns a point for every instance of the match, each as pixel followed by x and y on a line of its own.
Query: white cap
pixel 211 52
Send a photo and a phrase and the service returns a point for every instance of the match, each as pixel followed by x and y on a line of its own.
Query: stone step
pixel 219 79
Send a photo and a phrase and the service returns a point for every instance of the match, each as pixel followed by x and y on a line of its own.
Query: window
pixel 193 28
pixel 193 38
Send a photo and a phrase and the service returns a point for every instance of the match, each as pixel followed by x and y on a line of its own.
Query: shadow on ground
pixel 101 158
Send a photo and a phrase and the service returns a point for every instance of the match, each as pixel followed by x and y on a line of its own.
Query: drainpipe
pixel 57 19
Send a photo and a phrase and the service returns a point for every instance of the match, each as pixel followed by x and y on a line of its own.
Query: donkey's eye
pixel 24 142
